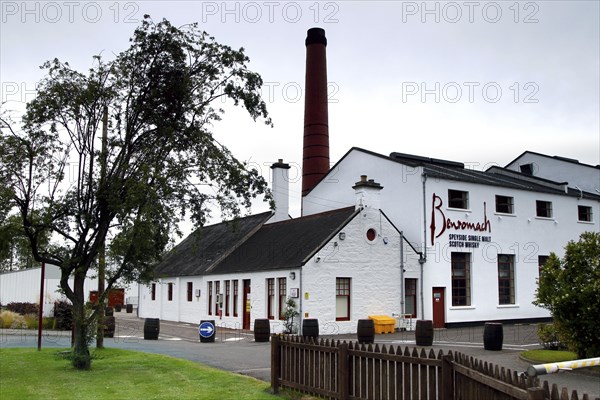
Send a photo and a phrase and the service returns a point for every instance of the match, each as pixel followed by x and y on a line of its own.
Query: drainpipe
pixel 301 293
pixel 402 287
pixel 423 258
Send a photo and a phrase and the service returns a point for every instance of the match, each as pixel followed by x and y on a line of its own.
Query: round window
pixel 371 234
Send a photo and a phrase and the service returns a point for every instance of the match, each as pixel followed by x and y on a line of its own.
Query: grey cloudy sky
pixel 472 81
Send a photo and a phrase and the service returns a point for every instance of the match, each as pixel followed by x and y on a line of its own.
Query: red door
pixel 439 307
pixel 246 305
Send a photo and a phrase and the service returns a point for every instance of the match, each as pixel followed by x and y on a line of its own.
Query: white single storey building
pixel 339 266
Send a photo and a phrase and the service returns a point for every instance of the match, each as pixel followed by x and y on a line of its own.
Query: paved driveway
pixel 236 351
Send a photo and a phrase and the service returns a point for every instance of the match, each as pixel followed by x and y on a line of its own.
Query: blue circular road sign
pixel 206 329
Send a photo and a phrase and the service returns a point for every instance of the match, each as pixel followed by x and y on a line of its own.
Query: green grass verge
pixel 548 356
pixel 26 373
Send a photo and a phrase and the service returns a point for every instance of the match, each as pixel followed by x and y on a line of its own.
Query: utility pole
pixel 102 249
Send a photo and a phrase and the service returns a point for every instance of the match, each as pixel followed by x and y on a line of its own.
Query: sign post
pixel 207 331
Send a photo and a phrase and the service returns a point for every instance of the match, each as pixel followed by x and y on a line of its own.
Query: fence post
pixel 275 363
pixel 535 393
pixel 447 389
pixel 343 371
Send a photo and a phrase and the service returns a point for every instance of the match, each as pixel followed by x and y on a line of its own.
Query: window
pixel 504 204
pixel 458 199
pixel 342 299
pixel 153 292
pixel 371 234
pixel 210 298
pixel 271 298
pixel 170 292
pixel 541 261
pixel 217 293
pixel 235 298
pixel 227 295
pixel 506 279
pixel 584 213
pixel 282 296
pixel 190 291
pixel 461 279
pixel 543 209
pixel 526 169
pixel 410 297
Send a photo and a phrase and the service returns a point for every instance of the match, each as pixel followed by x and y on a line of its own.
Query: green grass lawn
pixel 548 356
pixel 26 373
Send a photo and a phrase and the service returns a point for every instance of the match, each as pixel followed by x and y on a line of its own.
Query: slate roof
pixel 251 245
pixel 286 244
pixel 206 246
pixel 456 171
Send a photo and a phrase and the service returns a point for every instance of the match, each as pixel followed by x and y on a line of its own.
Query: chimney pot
pixel 363 178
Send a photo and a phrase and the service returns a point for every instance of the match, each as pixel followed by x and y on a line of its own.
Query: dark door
pixel 246 305
pixel 439 307
pixel 410 297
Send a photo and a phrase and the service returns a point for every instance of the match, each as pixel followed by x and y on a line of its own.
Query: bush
pixel 23 308
pixel 48 323
pixel 31 321
pixel 63 314
pixel 7 318
pixel 549 337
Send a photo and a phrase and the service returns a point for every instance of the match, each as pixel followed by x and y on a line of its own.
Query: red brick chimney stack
pixel 315 158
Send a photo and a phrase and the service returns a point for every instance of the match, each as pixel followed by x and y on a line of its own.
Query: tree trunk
pixel 81 353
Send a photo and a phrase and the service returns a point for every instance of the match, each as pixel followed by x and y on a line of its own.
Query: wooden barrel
pixel 109 326
pixel 262 330
pixel 493 335
pixel 109 311
pixel 208 337
pixel 365 330
pixel 151 328
pixel 310 328
pixel 129 308
pixel 424 332
pixel 118 307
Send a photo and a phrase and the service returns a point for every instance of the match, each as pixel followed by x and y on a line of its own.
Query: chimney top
pixel 367 183
pixel 315 35
pixel 280 164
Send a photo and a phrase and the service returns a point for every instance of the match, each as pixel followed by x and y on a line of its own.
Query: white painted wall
pixel 374 269
pixel 522 234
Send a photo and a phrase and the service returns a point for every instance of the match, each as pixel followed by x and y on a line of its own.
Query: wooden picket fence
pixel 340 370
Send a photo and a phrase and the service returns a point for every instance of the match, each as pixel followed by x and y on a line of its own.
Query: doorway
pixel 439 307
pixel 246 304
pixel 410 297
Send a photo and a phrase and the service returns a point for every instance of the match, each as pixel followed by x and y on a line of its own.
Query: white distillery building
pixel 484 234
pixel 24 286
pixel 339 266
pixel 472 241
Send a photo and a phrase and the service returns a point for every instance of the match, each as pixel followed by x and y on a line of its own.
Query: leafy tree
pixel 15 251
pixel 160 163
pixel 570 289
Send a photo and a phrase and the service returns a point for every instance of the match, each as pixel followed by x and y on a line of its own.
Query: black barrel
pixel 365 330
pixel 262 330
pixel 109 326
pixel 109 311
pixel 118 307
pixel 310 328
pixel 493 335
pixel 208 337
pixel 129 308
pixel 151 328
pixel 424 332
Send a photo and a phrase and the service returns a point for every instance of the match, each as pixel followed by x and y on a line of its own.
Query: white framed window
pixel 505 204
pixel 342 299
pixel 584 214
pixel 458 199
pixel 543 209
pixel 506 279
